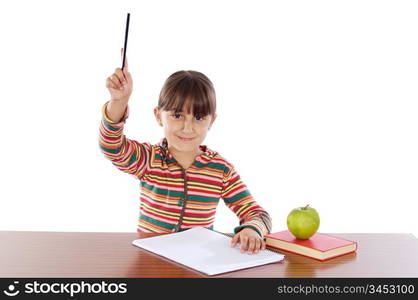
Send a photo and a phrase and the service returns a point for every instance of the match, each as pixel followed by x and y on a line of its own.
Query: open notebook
pixel 205 250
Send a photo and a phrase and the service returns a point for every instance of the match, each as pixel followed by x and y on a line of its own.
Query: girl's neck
pixel 183 154
pixel 185 159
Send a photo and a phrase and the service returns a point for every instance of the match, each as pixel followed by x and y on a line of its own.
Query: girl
pixel 181 179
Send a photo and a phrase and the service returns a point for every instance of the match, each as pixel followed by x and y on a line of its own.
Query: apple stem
pixel 306 207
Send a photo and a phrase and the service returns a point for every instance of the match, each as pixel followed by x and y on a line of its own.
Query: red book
pixel 319 246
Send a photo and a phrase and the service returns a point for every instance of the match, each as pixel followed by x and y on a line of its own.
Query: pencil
pixel 126 40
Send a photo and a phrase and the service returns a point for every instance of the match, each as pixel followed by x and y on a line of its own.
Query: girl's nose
pixel 188 126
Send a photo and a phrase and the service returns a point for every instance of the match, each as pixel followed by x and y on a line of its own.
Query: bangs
pixel 189 92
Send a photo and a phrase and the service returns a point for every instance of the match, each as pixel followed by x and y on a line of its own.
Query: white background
pixel 317 103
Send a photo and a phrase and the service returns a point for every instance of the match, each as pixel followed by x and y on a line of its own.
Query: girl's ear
pixel 157 115
pixel 213 120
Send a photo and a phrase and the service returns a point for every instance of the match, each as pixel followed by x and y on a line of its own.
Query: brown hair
pixel 191 89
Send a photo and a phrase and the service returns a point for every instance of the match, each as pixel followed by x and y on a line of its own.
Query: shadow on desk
pixel 153 265
pixel 299 266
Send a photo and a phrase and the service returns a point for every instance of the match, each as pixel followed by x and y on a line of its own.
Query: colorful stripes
pixel 171 198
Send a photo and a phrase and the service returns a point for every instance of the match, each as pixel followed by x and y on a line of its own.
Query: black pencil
pixel 126 40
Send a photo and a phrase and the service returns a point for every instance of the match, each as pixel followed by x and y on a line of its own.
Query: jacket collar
pixel 207 153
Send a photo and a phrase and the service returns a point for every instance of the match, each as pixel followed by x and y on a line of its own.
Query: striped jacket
pixel 171 198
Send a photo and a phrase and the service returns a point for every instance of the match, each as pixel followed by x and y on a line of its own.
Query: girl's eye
pixel 198 118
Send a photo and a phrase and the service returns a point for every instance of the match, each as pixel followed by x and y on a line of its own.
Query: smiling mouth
pixel 185 139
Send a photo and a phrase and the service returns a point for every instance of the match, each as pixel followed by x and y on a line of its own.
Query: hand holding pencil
pixel 120 84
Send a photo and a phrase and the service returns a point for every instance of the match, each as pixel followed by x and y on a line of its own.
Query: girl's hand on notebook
pixel 120 84
pixel 249 240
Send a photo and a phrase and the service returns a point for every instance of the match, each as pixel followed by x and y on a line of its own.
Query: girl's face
pixel 184 132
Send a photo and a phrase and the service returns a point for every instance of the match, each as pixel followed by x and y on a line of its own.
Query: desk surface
pixel 100 254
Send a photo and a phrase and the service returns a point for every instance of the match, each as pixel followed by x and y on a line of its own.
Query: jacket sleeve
pixel 238 198
pixel 127 155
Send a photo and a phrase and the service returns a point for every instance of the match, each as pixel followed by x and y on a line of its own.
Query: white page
pixel 205 250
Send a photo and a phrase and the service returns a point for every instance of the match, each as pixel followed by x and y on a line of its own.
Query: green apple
pixel 303 222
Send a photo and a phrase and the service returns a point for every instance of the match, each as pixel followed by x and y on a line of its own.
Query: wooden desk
pixel 92 254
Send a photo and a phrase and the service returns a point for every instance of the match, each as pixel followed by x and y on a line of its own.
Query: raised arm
pixel 127 155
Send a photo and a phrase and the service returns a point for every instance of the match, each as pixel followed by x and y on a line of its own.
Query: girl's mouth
pixel 185 139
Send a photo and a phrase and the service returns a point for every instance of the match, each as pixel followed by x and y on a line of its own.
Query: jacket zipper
pixel 177 228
